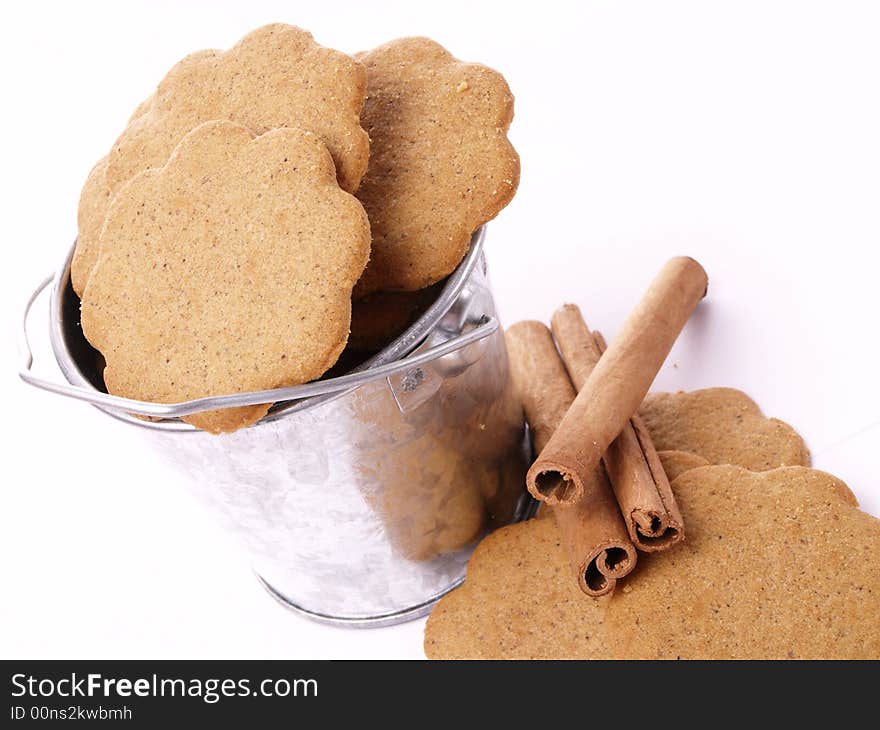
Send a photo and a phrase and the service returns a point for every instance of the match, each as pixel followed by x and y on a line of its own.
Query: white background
pixel 746 134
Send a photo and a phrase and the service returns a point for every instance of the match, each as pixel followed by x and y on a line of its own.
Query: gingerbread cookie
pixel 777 565
pixel 93 202
pixel 518 602
pixel 440 161
pixel 430 500
pixel 676 463
pixel 276 76
pixel 724 426
pixel 711 597
pixel 141 109
pixel 380 317
pixel 230 270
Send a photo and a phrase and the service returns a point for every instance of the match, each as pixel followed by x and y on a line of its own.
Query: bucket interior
pixel 85 358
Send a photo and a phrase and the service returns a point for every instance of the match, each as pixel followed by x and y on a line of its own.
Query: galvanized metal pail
pixel 359 497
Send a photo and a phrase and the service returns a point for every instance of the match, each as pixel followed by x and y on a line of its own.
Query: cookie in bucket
pixel 440 161
pixel 276 76
pixel 228 270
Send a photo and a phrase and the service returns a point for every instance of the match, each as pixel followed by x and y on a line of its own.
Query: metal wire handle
pixel 486 326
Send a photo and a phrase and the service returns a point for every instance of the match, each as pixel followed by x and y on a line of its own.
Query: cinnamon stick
pixel 638 480
pixel 592 529
pixel 618 384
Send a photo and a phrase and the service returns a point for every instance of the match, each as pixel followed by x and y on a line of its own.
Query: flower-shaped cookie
pixel 229 269
pixel 518 601
pixel 724 426
pixel 276 76
pixel 440 161
pixel 778 564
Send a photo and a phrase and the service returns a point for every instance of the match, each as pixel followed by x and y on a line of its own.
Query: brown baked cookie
pixel 519 601
pixel 676 463
pixel 141 109
pixel 276 76
pixel 230 270
pixel 724 426
pixel 380 317
pixel 717 425
pixel 440 161
pixel 777 565
pixel 427 495
pixel 93 202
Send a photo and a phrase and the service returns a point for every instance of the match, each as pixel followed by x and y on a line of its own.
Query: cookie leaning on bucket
pixel 440 161
pixel 276 76
pixel 777 565
pixel 230 270
pixel 518 601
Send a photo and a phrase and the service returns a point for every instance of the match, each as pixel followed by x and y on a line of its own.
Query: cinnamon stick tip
pixel 651 531
pixel 594 584
pixel 567 307
pixel 553 483
pixel 526 325
pixel 606 567
pixel 694 269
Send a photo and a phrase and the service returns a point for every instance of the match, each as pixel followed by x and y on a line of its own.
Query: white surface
pixel 742 133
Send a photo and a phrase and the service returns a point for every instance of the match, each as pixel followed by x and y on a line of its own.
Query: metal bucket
pixel 359 497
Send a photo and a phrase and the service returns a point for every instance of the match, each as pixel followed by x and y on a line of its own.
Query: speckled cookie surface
pixel 93 202
pixel 440 161
pixel 777 565
pixel 676 463
pixel 724 426
pixel 518 601
pixel 380 317
pixel 517 579
pixel 230 270
pixel 276 76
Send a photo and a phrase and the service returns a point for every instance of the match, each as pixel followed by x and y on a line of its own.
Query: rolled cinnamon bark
pixel 618 384
pixel 592 529
pixel 638 480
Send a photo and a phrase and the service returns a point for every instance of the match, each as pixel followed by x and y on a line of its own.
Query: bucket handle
pixel 486 326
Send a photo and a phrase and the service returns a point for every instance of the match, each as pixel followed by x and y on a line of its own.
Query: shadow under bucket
pixel 360 497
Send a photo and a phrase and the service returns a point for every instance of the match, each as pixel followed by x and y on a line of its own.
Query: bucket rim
pixel 396 350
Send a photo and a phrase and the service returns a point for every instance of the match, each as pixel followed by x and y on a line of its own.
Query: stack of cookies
pixel 263 193
pixel 779 562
